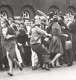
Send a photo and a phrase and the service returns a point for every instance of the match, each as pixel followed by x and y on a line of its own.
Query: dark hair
pixel 62 17
pixel 22 31
pixel 51 14
pixel 61 23
pixel 55 19
pixel 6 22
pixel 15 28
pixel 22 23
pixel 33 21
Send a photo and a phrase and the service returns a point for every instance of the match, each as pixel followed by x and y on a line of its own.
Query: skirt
pixel 10 47
pixel 55 45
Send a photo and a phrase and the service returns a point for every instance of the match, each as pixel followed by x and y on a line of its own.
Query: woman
pixel 56 46
pixel 9 35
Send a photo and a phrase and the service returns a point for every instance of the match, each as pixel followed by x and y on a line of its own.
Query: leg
pixel 55 58
pixel 65 54
pixel 17 63
pixel 37 49
pixel 57 63
pixel 18 54
pixel 5 62
pixel 34 59
pixel 10 65
pixel 71 57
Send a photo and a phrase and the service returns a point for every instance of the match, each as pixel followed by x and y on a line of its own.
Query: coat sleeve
pixel 11 31
pixel 40 31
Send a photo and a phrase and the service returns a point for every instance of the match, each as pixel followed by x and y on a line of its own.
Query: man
pixel 35 41
pixel 65 41
pixel 72 29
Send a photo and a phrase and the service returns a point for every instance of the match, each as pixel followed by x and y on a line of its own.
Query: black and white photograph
pixel 37 39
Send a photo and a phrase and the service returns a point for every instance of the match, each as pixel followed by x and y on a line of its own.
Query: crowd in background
pixel 43 42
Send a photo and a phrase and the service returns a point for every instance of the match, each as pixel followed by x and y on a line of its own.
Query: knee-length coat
pixel 10 43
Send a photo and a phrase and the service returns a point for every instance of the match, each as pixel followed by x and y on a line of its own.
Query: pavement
pixel 61 73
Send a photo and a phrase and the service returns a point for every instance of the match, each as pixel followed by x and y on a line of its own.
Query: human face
pixel 37 21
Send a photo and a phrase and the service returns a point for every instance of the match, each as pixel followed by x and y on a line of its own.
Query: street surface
pixel 62 73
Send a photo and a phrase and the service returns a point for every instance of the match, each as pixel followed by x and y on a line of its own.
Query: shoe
pixel 43 68
pixel 20 67
pixel 34 67
pixel 2 69
pixel 57 66
pixel 69 64
pixel 52 63
pixel 10 74
pixel 47 67
pixel 18 64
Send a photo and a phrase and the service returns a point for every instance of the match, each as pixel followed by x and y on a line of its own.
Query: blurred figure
pixel 35 42
pixel 72 29
pixel 55 47
pixel 10 42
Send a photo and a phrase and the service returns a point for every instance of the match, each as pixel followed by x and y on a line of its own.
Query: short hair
pixel 60 22
pixel 6 22
pixel 51 14
pixel 22 31
pixel 62 17
pixel 55 19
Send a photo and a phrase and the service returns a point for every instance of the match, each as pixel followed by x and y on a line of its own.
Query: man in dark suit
pixel 72 29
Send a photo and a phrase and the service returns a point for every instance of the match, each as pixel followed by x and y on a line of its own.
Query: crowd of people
pixel 44 42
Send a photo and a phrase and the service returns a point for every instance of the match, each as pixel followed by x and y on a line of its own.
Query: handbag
pixel 68 44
